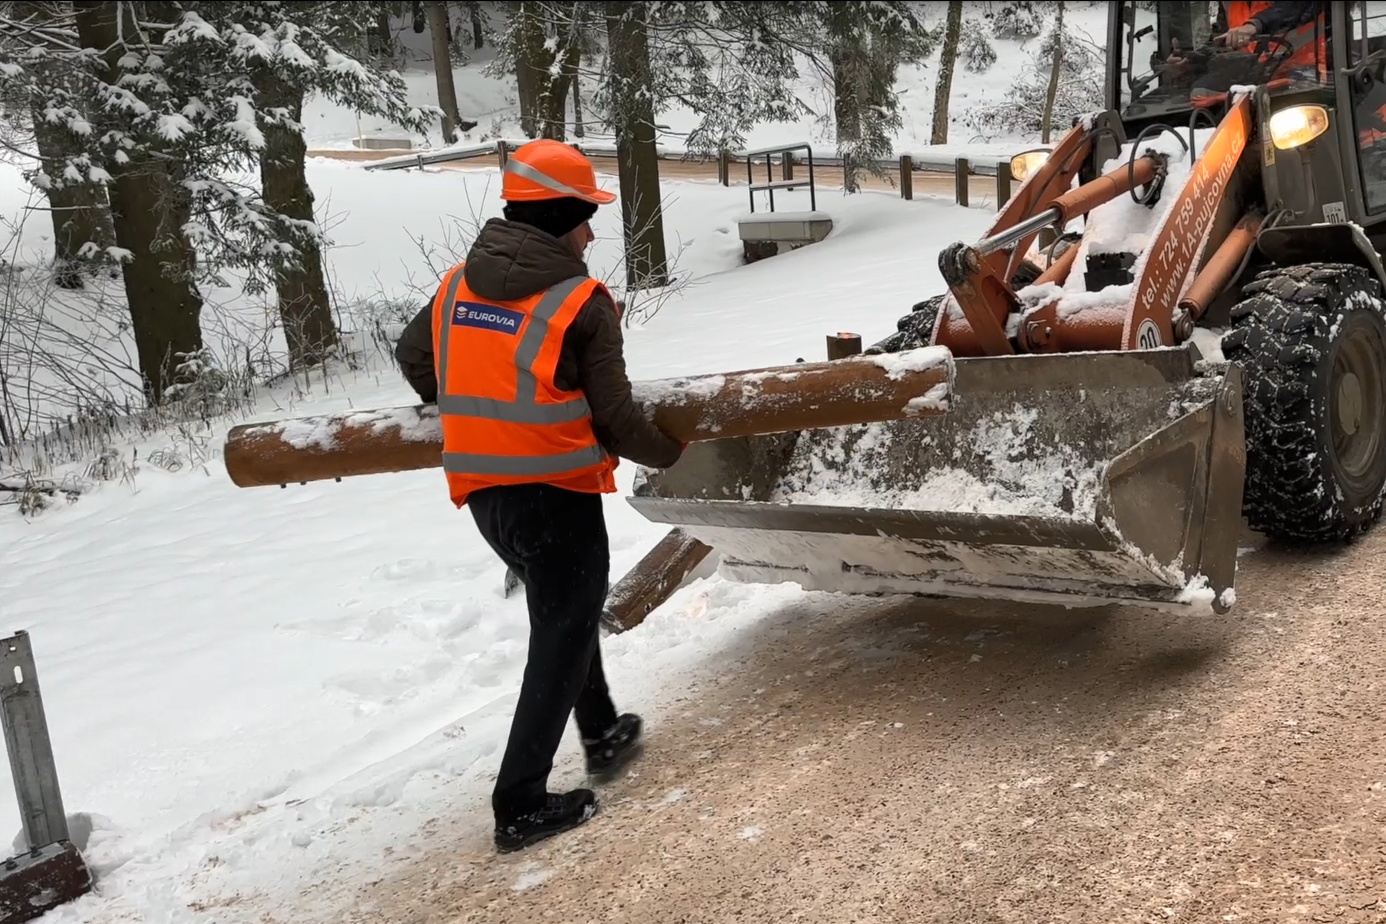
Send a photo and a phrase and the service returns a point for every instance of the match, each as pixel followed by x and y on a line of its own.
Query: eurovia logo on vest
pixel 487 317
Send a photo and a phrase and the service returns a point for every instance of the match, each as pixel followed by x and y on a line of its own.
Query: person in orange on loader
pixel 1302 25
pixel 522 351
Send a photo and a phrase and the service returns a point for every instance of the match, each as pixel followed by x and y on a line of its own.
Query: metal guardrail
pixel 787 180
pixel 500 148
pixel 961 168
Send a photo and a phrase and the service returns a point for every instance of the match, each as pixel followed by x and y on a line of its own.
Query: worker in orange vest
pixel 1300 24
pixel 522 351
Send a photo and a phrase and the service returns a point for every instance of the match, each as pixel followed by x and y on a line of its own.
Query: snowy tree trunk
pixel 947 58
pixel 80 211
pixel 150 208
pixel 442 69
pixel 528 33
pixel 304 307
pixel 579 130
pixel 478 31
pixel 381 38
pixel 844 55
pixel 1047 120
pixel 845 118
pixel 553 101
pixel 637 156
pixel 863 57
pixel 544 68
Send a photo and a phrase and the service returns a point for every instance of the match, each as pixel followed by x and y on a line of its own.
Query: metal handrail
pixel 771 184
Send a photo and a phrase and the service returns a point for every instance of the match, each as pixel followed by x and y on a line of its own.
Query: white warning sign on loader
pixel 1148 336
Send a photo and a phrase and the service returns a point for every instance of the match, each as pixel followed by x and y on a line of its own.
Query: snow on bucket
pixel 1081 479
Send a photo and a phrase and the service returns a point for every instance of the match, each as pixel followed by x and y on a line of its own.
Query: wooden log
pixel 652 581
pixel 804 396
pixel 40 880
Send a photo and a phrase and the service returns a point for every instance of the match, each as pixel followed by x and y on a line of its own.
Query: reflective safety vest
pixel 1309 43
pixel 504 420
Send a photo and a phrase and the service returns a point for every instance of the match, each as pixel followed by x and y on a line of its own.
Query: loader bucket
pixel 1081 479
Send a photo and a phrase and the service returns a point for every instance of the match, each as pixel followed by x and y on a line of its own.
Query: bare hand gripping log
pixel 804 396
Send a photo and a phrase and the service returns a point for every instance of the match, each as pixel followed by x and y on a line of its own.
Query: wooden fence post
pixel 724 160
pixel 906 177
pixel 962 171
pixel 1003 183
pixel 843 344
pixel 786 166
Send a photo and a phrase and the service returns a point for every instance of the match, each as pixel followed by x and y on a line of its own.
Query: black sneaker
pixel 608 755
pixel 563 812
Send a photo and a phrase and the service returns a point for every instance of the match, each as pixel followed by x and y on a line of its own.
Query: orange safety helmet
pixel 548 169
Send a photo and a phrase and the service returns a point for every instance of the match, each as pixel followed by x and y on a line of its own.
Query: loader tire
pixel 1311 342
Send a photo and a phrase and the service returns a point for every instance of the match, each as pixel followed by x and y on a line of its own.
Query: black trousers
pixel 555 542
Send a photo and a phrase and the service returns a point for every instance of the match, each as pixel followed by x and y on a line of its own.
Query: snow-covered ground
pixel 492 103
pixel 255 690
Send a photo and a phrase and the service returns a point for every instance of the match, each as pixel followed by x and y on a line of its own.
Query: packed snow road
pixel 864 760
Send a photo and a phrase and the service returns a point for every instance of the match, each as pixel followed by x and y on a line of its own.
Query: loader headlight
pixel 1027 162
pixel 1298 125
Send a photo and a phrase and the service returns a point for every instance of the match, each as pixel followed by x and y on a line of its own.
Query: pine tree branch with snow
pixel 165 106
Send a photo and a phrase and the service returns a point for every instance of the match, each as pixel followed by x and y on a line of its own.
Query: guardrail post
pixel 787 166
pixel 30 750
pixel 906 177
pixel 962 170
pixel 502 153
pixel 1003 183
pixel 724 160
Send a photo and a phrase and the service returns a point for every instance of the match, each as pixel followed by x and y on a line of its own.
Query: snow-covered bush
pixel 1017 20
pixel 1022 110
pixel 975 48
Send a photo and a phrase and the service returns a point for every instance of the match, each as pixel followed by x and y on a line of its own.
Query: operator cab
pixel 1172 57
pixel 1167 61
